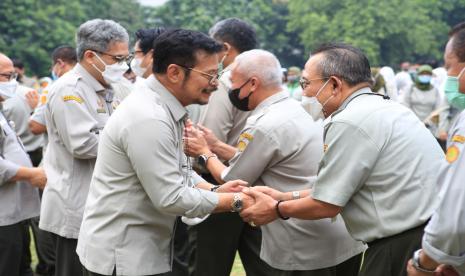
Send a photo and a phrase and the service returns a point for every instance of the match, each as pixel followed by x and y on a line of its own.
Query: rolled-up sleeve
pixel 444 238
pixel 158 170
pixel 8 169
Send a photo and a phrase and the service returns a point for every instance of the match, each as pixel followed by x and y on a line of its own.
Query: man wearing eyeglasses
pixel 142 179
pixel 78 108
pixel 19 196
pixel 379 166
pixel 263 158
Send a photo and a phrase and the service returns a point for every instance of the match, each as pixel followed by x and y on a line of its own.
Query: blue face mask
pixel 424 79
pixel 54 76
pixel 454 96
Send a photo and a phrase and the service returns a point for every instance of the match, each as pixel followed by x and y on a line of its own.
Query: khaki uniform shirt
pixel 280 147
pixel 17 109
pixel 77 110
pixel 18 200
pixel 141 182
pixel 380 164
pixel 444 238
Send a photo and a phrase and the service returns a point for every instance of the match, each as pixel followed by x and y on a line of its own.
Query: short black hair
pixel 146 37
pixel 344 61
pixel 66 53
pixel 457 34
pixel 236 32
pixel 179 46
pixel 17 63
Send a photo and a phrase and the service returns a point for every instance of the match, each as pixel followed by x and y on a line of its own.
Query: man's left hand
pixel 263 211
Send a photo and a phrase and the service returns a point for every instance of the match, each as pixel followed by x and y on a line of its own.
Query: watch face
pixel 202 160
pixel 237 205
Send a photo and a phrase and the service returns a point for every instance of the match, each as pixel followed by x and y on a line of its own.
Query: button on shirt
pixel 444 238
pixel 77 110
pixel 380 164
pixel 265 157
pixel 18 200
pixel 140 184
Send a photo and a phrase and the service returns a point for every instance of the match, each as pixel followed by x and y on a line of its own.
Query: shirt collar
pixel 88 78
pixel 271 100
pixel 178 111
pixel 352 96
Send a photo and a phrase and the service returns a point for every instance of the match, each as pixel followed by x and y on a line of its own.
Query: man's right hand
pixel 38 178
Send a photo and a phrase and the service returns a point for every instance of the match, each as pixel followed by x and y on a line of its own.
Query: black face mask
pixel 241 104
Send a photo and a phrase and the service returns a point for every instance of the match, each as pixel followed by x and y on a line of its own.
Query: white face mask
pixel 112 73
pixel 137 68
pixel 8 89
pixel 313 106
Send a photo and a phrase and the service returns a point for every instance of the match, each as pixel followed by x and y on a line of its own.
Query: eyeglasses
pixel 10 76
pixel 304 82
pixel 118 58
pixel 211 78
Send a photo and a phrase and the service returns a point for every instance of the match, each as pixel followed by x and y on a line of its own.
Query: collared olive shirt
pixel 141 183
pixel 280 147
pixel 76 112
pixel 18 199
pixel 380 165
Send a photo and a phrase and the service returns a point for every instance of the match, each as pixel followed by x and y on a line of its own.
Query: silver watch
pixel 416 263
pixel 236 205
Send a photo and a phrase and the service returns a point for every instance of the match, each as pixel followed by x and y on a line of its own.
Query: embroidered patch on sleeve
pixel 452 154
pixel 73 98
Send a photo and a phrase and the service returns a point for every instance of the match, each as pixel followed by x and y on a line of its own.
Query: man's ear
pixel 88 55
pixel 175 74
pixel 337 84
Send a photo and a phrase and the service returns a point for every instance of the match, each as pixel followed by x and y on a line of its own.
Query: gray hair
pixel 98 34
pixel 344 61
pixel 261 64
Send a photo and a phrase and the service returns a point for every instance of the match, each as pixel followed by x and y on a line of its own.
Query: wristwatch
pixel 295 195
pixel 203 159
pixel 236 205
pixel 416 263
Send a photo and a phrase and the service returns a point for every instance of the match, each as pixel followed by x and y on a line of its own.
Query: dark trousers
pixel 67 261
pixel 217 240
pixel 182 250
pixel 389 256
pixel 45 248
pixel 350 267
pixel 15 257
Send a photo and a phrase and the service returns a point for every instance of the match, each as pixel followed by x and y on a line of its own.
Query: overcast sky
pixel 152 2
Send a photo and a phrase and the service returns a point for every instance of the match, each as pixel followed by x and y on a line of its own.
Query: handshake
pixel 259 204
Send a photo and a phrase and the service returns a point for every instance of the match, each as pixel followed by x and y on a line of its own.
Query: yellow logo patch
pixel 452 154
pixel 325 147
pixel 244 140
pixel 458 138
pixel 73 98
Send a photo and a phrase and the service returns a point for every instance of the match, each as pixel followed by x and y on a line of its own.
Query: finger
pixel 202 128
pixel 241 182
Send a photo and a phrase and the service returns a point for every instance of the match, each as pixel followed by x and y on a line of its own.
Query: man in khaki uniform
pixel 379 168
pixel 79 105
pixel 213 254
pixel 264 158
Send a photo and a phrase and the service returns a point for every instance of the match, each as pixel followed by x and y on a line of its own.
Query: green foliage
pixel 387 31
pixel 31 29
pixel 267 16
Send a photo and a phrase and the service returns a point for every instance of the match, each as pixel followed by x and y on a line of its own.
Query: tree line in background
pixel 389 31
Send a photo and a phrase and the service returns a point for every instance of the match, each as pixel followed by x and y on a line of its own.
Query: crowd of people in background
pixel 172 155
